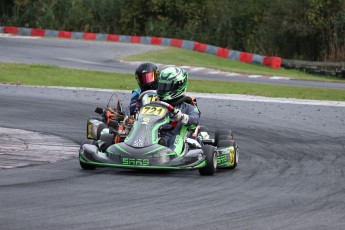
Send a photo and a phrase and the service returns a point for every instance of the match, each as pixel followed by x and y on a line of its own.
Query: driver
pixel 172 86
pixel 147 75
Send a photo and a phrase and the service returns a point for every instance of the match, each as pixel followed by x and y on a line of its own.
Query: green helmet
pixel 172 83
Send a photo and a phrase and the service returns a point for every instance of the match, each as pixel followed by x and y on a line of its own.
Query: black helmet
pixel 147 75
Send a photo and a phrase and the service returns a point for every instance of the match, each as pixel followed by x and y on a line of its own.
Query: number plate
pixel 153 110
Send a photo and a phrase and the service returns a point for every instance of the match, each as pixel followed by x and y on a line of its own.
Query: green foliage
pixel 298 29
pixel 6 7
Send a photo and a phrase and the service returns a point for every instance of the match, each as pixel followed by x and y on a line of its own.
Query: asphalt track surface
pixel 290 174
pixel 105 56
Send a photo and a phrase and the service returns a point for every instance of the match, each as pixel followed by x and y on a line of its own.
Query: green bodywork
pixel 200 165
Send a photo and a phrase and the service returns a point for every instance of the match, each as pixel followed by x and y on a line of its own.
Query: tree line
pixel 293 29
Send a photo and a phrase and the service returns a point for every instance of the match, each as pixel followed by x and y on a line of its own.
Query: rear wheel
pixel 225 137
pixel 234 153
pixel 221 133
pixel 108 140
pixel 84 165
pixel 211 161
pixel 100 129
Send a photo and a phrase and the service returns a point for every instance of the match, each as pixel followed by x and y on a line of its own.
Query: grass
pixel 182 57
pixel 47 75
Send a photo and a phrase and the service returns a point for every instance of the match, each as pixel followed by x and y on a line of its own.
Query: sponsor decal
pixel 138 143
pixel 222 159
pixel 136 161
pixel 177 140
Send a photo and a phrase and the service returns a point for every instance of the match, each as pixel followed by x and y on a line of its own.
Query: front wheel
pixel 87 166
pixel 211 161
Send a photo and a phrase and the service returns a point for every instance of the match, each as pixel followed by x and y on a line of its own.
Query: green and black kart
pixel 144 147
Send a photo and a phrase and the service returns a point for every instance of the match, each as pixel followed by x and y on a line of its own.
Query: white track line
pixel 17 36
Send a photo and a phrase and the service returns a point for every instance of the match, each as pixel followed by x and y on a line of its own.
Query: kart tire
pixel 225 143
pixel 99 130
pixel 87 166
pixel 108 139
pixel 229 143
pixel 211 161
pixel 82 164
pixel 222 132
pixel 225 137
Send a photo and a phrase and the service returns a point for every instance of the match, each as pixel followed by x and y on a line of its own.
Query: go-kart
pixel 144 146
pixel 113 122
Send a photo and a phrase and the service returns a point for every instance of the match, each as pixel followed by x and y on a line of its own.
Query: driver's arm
pixel 134 102
pixel 194 115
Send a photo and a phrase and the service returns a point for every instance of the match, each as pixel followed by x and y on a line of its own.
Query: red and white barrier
pixel 272 62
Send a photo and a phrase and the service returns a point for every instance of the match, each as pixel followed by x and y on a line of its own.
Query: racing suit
pixel 175 132
pixel 133 106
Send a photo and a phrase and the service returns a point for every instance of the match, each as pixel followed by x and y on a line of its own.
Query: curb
pixel 21 148
pixel 249 58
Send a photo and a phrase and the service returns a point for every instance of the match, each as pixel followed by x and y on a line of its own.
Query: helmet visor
pixel 146 78
pixel 164 87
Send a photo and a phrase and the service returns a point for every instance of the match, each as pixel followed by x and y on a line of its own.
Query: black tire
pixel 87 166
pixel 99 129
pixel 222 132
pixel 82 164
pixel 229 143
pixel 225 137
pixel 211 161
pixel 108 139
pixel 225 143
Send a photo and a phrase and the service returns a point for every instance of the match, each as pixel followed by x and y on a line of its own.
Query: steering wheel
pixel 165 104
pixel 146 92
